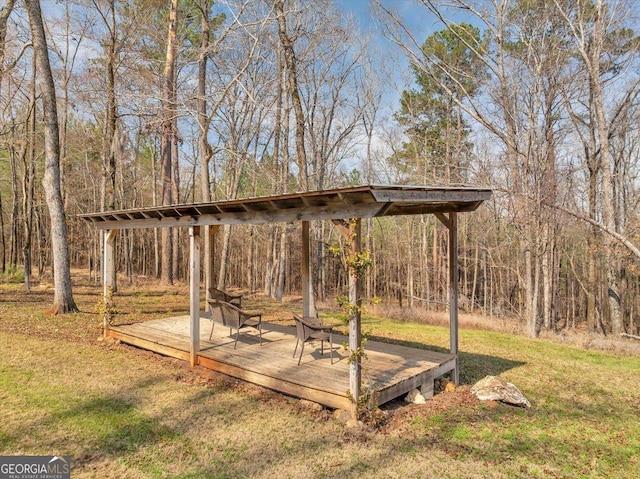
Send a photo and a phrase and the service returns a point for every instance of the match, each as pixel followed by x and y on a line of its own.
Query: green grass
pixel 583 422
pixel 122 412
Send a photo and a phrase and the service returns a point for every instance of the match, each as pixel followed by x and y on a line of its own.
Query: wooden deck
pixel 392 370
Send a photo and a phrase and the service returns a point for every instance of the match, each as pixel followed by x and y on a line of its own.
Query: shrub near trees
pixel 538 100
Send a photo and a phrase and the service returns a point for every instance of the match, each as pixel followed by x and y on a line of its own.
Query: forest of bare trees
pixel 110 104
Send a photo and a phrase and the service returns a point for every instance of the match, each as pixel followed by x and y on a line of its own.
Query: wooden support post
pixel 453 292
pixel 194 292
pixel 352 233
pixel 108 266
pixel 451 222
pixel 208 264
pixel 306 277
pixel 209 237
pixel 355 323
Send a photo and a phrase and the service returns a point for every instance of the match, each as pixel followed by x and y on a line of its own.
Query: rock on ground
pixel 492 388
pixel 414 396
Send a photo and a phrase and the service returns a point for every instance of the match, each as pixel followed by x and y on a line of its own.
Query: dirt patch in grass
pixel 401 416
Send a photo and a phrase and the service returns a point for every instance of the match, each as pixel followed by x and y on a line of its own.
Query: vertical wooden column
pixel 108 267
pixel 306 277
pixel 194 292
pixel 208 256
pixel 355 323
pixel 451 222
pixel 453 292
pixel 209 237
pixel 352 233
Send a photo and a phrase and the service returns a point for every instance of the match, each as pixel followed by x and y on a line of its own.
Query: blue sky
pixel 415 15
pixel 417 19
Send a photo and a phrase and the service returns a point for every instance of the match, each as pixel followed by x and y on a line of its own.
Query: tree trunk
pixel 63 298
pixel 204 149
pixel 409 244
pixel 166 141
pixel 111 111
pixel 28 184
pixel 593 58
pixel 5 12
pixel 547 279
pixel 251 259
pixel 282 266
pixel 175 198
pixel 476 267
pixel 224 257
pixel 15 199
pixel 109 140
pixel 290 63
pixel 154 198
pixel 281 180
pixel 4 241
pixel 269 269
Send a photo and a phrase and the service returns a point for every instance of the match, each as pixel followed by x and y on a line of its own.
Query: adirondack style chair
pixel 233 317
pixel 307 330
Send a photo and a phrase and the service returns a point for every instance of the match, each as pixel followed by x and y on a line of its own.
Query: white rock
pixel 492 388
pixel 415 397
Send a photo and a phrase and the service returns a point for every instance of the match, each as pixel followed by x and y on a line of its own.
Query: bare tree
pixel 204 148
pixel 28 184
pixel 606 50
pixel 5 13
pixel 63 297
pixel 286 41
pixel 169 119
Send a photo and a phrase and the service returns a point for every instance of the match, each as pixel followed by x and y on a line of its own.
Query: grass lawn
pixel 122 412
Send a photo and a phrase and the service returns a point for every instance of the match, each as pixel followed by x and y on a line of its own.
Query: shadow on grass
pixel 473 366
pixel 519 435
pixel 190 437
pixel 147 294
pixel 20 297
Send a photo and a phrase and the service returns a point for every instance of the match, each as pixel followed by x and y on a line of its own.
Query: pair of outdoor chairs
pixel 227 309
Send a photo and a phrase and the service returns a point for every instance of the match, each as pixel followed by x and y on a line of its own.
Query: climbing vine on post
pixel 357 262
pixel 107 309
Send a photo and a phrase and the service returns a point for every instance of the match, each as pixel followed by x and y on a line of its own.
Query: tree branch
pixel 614 234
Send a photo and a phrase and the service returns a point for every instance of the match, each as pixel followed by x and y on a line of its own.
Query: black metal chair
pixel 234 318
pixel 308 329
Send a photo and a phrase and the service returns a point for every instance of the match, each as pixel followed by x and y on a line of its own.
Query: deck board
pixel 390 368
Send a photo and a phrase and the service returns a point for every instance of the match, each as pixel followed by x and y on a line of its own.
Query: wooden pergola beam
pixel 357 202
pixel 364 210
